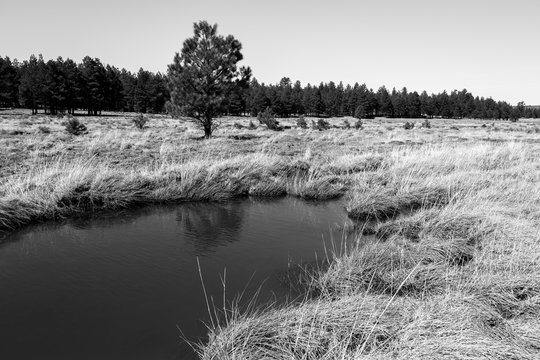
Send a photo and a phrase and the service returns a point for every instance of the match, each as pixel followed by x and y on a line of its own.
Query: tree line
pixel 64 86
pixel 328 99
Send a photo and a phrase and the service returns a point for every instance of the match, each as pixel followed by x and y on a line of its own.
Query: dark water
pixel 124 286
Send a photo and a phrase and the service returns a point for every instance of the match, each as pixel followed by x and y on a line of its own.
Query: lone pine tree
pixel 205 74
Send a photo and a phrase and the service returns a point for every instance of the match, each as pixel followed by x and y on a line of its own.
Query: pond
pixel 127 285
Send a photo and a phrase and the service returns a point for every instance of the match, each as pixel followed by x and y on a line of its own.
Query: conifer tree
pixel 204 74
pixel 143 91
pixel 159 92
pixel 113 89
pixel 31 84
pixel 9 83
pixel 93 84
pixel 73 83
pixel 296 99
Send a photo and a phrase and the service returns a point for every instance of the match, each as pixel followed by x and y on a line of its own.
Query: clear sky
pixel 491 48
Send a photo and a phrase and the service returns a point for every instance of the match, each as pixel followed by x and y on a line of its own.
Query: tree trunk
pixel 207 132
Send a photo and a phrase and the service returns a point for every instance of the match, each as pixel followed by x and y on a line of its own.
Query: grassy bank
pixel 452 271
pixel 68 187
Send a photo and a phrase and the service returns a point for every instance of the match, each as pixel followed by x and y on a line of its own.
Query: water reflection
pixel 210 225
pixel 108 219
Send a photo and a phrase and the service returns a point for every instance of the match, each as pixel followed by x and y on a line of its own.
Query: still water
pixel 127 285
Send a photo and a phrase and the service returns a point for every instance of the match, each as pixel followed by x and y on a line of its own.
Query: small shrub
pixel 301 122
pixel 426 124
pixel 267 118
pixel 140 121
pixel 75 127
pixel 243 137
pixel 322 125
pixel 16 132
pixel 358 125
pixel 408 125
pixel 44 129
pixel 346 124
pixel 251 125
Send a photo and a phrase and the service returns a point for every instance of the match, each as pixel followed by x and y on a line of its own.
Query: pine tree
pixel 32 83
pixel 309 99
pixel 129 83
pixel 142 92
pixel 159 93
pixel 9 83
pixel 73 84
pixel 414 105
pixel 257 99
pixel 93 85
pixel 385 102
pixel 296 101
pixel 113 89
pixel 284 92
pixel 204 74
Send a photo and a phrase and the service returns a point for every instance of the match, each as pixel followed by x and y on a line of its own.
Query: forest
pixel 59 86
pixel 64 86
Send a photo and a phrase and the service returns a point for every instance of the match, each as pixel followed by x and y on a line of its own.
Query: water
pixel 126 286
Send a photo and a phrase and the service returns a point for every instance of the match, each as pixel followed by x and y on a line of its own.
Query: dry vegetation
pixel 453 271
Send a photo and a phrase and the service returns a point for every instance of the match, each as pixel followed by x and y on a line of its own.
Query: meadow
pixel 451 270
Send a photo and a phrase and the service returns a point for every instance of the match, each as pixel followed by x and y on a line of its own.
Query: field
pixel 453 268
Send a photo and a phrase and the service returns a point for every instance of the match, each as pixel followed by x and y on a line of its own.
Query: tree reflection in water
pixel 210 225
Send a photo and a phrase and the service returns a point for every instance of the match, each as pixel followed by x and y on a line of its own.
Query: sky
pixel 491 48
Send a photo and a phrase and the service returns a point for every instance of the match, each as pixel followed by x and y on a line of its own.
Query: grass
pixel 451 271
